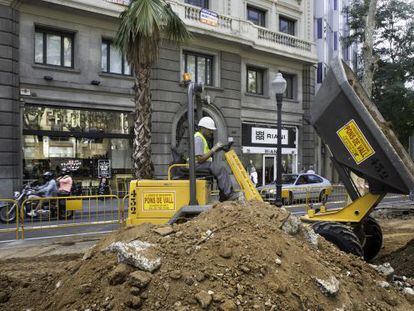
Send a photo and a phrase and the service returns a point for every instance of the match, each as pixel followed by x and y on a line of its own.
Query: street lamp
pixel 279 85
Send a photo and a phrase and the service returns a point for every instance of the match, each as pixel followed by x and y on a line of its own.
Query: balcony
pixel 245 32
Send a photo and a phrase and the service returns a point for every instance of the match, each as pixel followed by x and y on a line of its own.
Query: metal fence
pixel 62 212
pixel 9 208
pixel 307 196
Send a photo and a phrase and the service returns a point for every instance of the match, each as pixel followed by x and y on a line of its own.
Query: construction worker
pixel 204 160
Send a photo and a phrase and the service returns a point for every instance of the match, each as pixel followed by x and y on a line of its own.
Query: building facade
pixel 331 31
pixel 70 100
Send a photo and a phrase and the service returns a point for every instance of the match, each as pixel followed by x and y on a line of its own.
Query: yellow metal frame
pixel 174 166
pixel 17 217
pixel 239 172
pixel 71 223
pixel 352 213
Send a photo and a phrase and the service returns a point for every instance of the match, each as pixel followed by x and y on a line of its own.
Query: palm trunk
pixel 143 167
pixel 367 58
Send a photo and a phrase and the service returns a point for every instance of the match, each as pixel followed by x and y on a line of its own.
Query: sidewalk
pixel 48 247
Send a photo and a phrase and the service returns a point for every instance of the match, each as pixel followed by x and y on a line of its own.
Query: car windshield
pixel 289 178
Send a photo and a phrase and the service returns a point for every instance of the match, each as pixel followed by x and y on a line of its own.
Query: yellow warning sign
pixel 356 143
pixel 159 201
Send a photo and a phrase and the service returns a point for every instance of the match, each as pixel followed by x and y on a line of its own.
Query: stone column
pixel 309 138
pixel 10 133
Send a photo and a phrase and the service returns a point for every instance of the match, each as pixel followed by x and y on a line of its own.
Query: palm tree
pixel 143 25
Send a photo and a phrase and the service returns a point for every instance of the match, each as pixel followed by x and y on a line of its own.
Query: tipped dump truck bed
pixel 357 134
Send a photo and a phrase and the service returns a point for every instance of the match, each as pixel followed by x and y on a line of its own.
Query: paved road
pixel 101 217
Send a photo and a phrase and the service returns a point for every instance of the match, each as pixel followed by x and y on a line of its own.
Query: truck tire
pixel 341 236
pixel 373 238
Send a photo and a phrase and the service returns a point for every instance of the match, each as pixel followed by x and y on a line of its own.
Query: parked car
pixel 299 187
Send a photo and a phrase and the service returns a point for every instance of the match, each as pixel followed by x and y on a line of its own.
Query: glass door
pixel 269 169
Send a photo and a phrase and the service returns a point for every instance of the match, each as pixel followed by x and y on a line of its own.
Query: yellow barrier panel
pixel 9 209
pixel 70 211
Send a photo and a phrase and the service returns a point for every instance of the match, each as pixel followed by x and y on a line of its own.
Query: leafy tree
pixel 393 51
pixel 143 25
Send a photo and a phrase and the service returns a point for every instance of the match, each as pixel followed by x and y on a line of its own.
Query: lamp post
pixel 279 85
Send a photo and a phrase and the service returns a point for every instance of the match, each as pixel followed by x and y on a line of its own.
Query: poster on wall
pixel 104 168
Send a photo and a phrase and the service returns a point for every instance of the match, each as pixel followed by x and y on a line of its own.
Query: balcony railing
pixel 244 31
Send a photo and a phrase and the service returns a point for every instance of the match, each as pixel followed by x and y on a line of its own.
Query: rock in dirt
pixel 141 255
pixel 204 299
pixel 140 279
pixel 119 275
pixel 134 302
pixel 225 252
pixel 163 231
pixel 311 236
pixel 88 254
pixel 4 297
pixel 408 291
pixel 228 305
pixel 175 275
pixel 385 269
pixel 383 284
pixel 328 287
pixel 291 225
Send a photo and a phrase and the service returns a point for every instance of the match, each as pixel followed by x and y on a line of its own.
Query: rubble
pixel 137 254
pixel 329 287
pixel 233 257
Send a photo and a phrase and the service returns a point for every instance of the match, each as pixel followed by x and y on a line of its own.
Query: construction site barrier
pixel 70 211
pixel 10 206
pixel 306 196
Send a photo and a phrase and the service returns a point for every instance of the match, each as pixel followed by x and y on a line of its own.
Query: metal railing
pixel 10 210
pixel 244 30
pixel 62 212
pixel 307 196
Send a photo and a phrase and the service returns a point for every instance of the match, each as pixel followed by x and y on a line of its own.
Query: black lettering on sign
pixel 379 168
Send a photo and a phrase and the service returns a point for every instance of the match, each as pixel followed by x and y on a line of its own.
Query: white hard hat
pixel 207 123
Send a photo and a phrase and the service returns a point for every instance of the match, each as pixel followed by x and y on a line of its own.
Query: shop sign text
pixel 268 136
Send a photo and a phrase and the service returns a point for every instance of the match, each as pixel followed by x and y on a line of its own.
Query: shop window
pixel 200 3
pixel 54 48
pixel 42 118
pixel 256 16
pixel 287 25
pixel 199 66
pixel 290 92
pixel 255 78
pixel 113 61
pixel 76 139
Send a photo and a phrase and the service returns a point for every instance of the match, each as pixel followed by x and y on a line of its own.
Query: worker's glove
pixel 217 146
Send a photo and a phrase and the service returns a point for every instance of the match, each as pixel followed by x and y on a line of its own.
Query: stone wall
pixel 10 156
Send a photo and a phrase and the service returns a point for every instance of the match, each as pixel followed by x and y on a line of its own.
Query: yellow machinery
pixel 159 201
pixel 360 143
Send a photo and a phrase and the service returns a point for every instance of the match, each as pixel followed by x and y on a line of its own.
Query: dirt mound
pixel 234 257
pixel 402 260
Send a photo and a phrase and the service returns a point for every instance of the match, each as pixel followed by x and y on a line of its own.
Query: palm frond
pixel 141 26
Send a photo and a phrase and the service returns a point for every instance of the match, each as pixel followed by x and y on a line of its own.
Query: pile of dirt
pixel 234 257
pixel 24 282
pixel 402 260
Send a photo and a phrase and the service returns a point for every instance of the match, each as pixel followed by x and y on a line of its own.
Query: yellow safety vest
pixel 206 147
